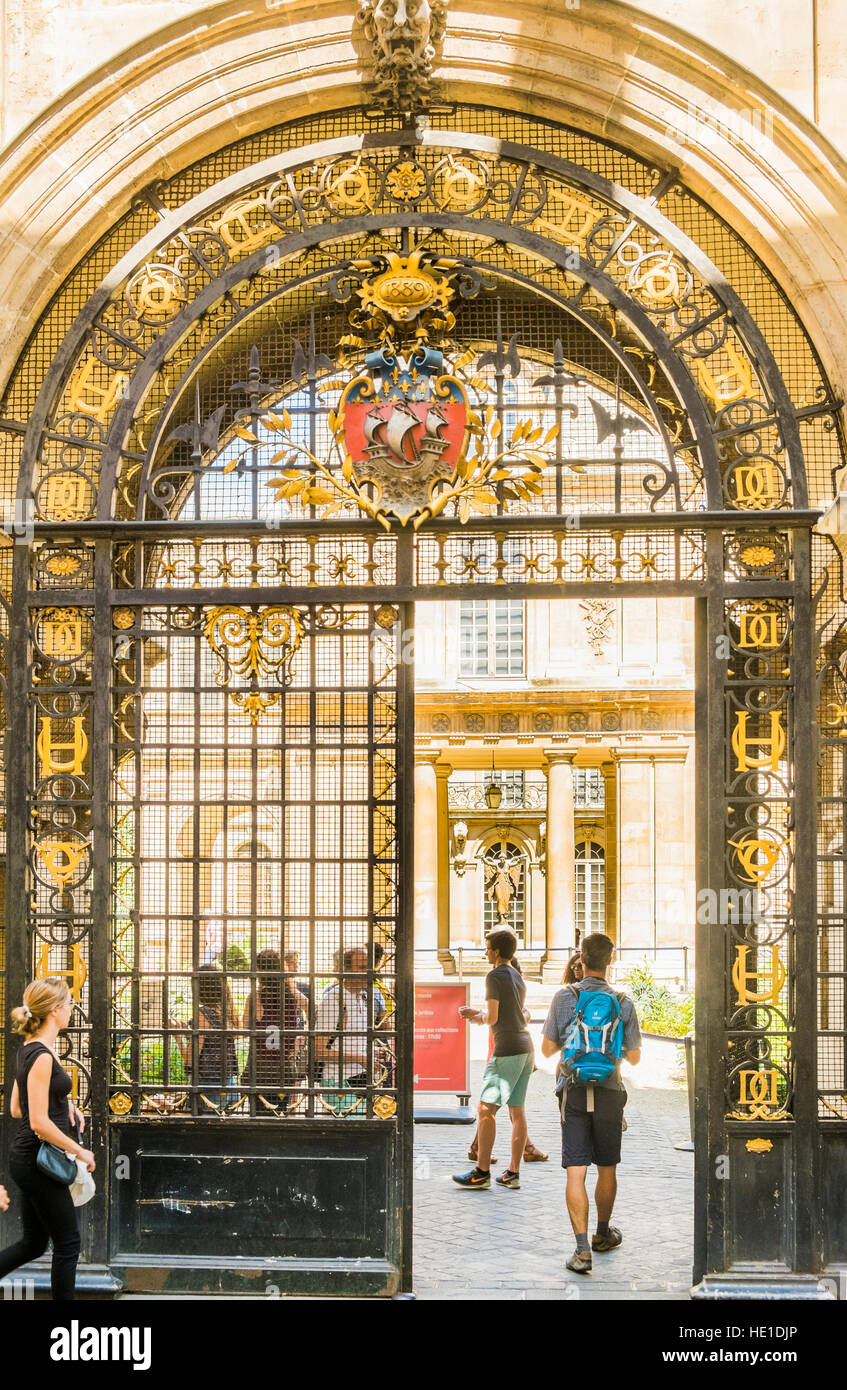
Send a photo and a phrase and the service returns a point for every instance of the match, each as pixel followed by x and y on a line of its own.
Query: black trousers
pixel 47 1213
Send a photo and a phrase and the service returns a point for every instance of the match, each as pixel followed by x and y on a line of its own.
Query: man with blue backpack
pixel 594 1028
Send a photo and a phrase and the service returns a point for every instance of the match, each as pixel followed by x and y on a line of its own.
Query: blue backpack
pixel 594 1041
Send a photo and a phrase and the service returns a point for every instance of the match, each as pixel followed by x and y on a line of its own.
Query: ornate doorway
pixel 327 373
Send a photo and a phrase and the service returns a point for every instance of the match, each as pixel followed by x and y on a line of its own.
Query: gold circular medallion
pixel 385 1107
pixel 120 1103
pixel 123 618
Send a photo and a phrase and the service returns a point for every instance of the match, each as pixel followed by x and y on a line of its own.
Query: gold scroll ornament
pixel 758 1094
pixel 62 633
pixel 61 858
pixel 757 854
pixel 776 974
pixel 758 627
pixel 757 485
pixel 51 747
pixel 731 384
pixel 78 974
pixel 774 741
pixel 88 397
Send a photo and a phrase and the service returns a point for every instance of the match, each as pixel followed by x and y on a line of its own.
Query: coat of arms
pixel 405 425
pixel 411 433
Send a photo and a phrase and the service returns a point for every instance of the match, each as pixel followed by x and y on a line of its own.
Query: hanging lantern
pixel 493 790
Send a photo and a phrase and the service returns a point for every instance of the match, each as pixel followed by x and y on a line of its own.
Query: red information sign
pixel 442 1053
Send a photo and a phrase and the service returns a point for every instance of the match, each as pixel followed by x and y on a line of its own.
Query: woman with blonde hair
pixel 41 1101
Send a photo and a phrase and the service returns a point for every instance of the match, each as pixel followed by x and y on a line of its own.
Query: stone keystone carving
pixel 403 35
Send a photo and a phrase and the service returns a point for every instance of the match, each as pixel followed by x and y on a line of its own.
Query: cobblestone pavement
pixel 501 1244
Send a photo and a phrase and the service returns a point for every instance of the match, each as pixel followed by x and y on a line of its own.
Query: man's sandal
pixel 608 1242
pixel 533 1155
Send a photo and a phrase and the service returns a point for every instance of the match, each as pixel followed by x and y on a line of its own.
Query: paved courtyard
pixel 504 1244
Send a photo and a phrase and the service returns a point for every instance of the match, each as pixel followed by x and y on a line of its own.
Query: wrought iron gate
pixel 311 389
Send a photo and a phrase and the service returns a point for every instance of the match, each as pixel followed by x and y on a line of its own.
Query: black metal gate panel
pixel 256 1076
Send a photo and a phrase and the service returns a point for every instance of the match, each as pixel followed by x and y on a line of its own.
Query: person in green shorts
pixel 509 1068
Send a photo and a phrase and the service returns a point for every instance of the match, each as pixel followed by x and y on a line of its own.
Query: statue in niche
pixel 502 881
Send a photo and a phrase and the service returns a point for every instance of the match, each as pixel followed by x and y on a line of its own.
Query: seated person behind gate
pixel 217 1062
pixel 341 1025
pixel 273 1018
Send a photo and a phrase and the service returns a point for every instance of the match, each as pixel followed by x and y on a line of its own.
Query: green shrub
pixel 659 1011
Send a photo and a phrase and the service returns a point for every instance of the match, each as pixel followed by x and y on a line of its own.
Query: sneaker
pixel 608 1242
pixel 473 1179
pixel 579 1262
pixel 508 1179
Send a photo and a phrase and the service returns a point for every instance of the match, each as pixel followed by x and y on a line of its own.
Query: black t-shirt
pixel 26 1142
pixel 510 1032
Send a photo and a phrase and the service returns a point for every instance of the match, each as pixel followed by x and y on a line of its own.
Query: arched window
pixel 590 887
pixel 504 888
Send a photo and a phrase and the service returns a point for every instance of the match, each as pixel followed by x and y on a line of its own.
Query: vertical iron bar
pixel 803 762
pixel 405 984
pixel 99 946
pixel 18 772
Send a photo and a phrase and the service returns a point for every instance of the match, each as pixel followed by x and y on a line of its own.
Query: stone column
pixel 560 863
pixel 442 772
pixel 610 798
pixel 426 861
pixel 636 861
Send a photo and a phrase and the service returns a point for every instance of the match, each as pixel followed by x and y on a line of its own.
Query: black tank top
pixel 26 1142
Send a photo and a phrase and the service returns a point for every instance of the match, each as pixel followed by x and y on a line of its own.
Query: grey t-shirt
pixel 562 1010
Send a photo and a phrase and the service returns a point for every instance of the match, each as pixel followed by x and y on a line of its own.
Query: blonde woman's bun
pixel 41 997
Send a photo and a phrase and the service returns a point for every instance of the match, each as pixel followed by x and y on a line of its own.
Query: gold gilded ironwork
pixel 758 1093
pixel 120 1103
pixel 658 278
pixel 749 846
pixel 385 1107
pixel 757 485
pixel 77 975
pixel 756 556
pixel 731 384
pixel 759 1146
pixel 156 292
pixel 758 627
pixel 123 618
pixel 386 615
pixel 237 225
pixel 61 858
pixel 777 975
pixel 741 740
pixel 50 747
pixel 62 636
pixel 67 497
pixel 461 184
pixel 253 644
pixel 568 217
pixel 349 189
pixel 406 288
pixel 62 564
pixel 90 398
pixel 406 181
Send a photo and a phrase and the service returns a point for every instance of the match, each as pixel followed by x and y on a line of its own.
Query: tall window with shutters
pixel 491 637
pixel 590 878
